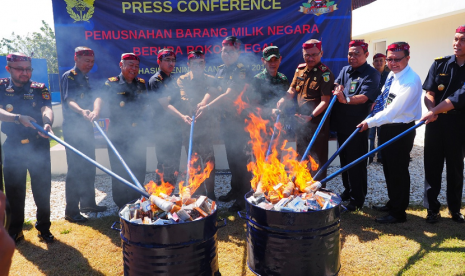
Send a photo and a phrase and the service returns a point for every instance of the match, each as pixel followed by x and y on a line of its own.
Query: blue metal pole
pixel 124 181
pixel 322 168
pixel 189 154
pixel 310 145
pixel 133 177
pixel 272 138
pixel 355 162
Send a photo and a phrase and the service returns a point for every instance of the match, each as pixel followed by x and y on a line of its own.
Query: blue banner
pixel 113 27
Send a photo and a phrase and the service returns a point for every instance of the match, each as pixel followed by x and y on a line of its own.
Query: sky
pixel 24 16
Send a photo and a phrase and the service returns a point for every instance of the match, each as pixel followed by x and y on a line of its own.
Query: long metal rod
pixel 189 153
pixel 124 181
pixel 272 138
pixel 365 156
pixel 126 167
pixel 312 141
pixel 330 160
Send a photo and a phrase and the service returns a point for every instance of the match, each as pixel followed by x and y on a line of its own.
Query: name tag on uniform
pixel 390 98
pixel 28 96
pixel 353 87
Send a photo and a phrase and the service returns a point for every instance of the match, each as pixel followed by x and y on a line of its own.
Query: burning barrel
pixel 188 248
pixel 293 243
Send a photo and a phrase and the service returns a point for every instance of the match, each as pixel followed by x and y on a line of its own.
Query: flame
pixel 272 171
pixel 153 189
pixel 196 175
pixel 239 103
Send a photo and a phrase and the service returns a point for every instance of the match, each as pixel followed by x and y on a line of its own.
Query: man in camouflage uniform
pixel 312 86
pixel 26 149
pixel 126 98
pixel 196 89
pixel 80 108
pixel 233 80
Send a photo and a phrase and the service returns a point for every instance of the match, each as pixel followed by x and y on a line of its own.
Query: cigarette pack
pixel 323 195
pixel 296 204
pixel 282 202
pixel 158 222
pixel 182 214
pixel 252 200
pixel 201 212
pixel 286 209
pixel 145 206
pixel 138 221
pixel 266 206
pixel 147 220
pixel 313 204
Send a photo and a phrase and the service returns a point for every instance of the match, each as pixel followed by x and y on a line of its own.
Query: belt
pixel 398 124
pixel 453 111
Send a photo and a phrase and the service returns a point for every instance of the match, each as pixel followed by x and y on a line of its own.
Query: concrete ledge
pixel 59 166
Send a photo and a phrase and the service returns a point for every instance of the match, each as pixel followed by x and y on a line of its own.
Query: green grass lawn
pixel 59 133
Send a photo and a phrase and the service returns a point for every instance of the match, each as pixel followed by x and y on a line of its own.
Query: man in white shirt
pixel 396 110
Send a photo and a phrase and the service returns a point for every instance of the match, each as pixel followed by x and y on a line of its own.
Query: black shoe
pixel 457 217
pixel 228 197
pixel 390 219
pixel 76 218
pixel 17 237
pixel 352 207
pixel 46 236
pixel 95 209
pixel 383 208
pixel 432 217
pixel 345 196
pixel 211 195
pixel 237 206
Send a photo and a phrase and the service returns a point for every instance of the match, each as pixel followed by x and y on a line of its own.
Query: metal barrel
pixel 186 249
pixel 288 243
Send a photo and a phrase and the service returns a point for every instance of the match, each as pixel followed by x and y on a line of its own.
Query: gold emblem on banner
pixel 80 10
pixel 441 87
pixel 9 107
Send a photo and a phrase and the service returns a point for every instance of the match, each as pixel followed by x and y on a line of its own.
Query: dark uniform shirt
pixel 75 87
pixel 382 81
pixel 26 100
pixel 444 78
pixel 127 104
pixel 193 90
pixel 363 80
pixel 237 77
pixel 310 85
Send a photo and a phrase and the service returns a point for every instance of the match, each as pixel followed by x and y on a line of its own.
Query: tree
pixel 42 44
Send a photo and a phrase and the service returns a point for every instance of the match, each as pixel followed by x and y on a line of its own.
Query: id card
pixel 353 87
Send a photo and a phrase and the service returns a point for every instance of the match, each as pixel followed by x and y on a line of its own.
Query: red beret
pixel 17 57
pixel 195 54
pixel 129 56
pixel 394 47
pixel 378 55
pixel 460 29
pixel 166 53
pixel 361 43
pixel 311 45
pixel 232 41
pixel 88 53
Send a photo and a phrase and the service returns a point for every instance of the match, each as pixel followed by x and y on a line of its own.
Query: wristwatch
pixel 313 116
pixel 348 100
pixel 17 119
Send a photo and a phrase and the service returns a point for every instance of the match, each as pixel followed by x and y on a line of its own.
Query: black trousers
pixel 354 179
pixel 134 153
pixel 444 140
pixel 319 151
pixel 236 143
pixel 80 178
pixel 20 158
pixel 168 144
pixel 396 159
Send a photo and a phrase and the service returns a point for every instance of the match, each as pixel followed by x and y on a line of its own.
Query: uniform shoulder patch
pixel 37 85
pixel 440 58
pixel 240 65
pixel 323 67
pixel 113 79
pixel 141 80
pixel 302 66
pixel 73 72
pixel 282 76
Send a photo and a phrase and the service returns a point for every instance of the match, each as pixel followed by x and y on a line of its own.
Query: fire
pixel 153 189
pixel 196 175
pixel 270 172
pixel 239 103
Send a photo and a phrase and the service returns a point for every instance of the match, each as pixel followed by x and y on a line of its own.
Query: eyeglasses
pixel 169 60
pixel 27 70
pixel 228 52
pixel 395 60
pixel 312 55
